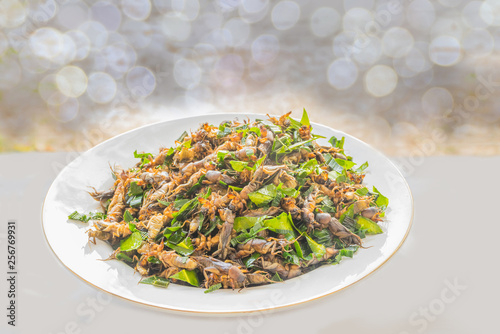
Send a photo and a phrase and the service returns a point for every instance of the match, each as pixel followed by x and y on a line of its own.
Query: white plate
pixel 69 241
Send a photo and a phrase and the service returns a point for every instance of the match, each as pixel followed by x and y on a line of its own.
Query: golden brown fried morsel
pixel 111 232
pixel 225 234
pixel 272 246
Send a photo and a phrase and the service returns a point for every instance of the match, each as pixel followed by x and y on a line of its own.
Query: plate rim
pixel 272 308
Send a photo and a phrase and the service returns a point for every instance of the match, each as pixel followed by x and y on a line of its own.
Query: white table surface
pixel 444 279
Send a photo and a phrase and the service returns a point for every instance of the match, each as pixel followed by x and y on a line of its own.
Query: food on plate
pixel 237 204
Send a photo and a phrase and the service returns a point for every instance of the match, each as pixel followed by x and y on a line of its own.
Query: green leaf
pixel 86 218
pixel 346 164
pixel 381 201
pixel 123 257
pixel 273 127
pixel 127 216
pixel 164 203
pixel 245 223
pixel 184 248
pixel 174 234
pixel 369 225
pixel 282 225
pixel 305 118
pixel 132 242
pixel 135 189
pixel 183 135
pixel 345 252
pixel 238 189
pixel 263 195
pixel 135 201
pixel 186 210
pixel 332 163
pixel 239 166
pixel 187 276
pixel 145 157
pixel 361 168
pixel 276 278
pixel 221 155
pixel 154 260
pixel 248 262
pixel 337 143
pixel 317 249
pixel 362 192
pixel 213 288
pixel 156 281
pixel 291 192
pixel 132 227
pixel 196 186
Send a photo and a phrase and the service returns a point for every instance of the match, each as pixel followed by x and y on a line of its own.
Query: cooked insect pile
pixel 238 204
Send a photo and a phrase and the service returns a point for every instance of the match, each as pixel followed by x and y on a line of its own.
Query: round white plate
pixel 70 244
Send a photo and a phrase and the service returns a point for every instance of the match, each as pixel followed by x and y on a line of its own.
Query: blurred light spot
pixel 471 15
pixel 187 73
pixel 71 81
pixel 437 101
pixel 239 31
pixel 348 4
pixel 141 82
pixel 369 51
pixel 342 73
pixel 107 14
pixel 261 73
pixel 101 87
pixel 228 70
pixel 421 14
pixel 380 80
pixel 445 51
pixel 265 49
pixel 357 19
pixel 257 10
pixel 68 51
pixel 73 15
pixel 176 27
pixel 325 21
pixel 187 8
pixel 42 11
pixel 416 61
pixel 220 38
pixel 206 55
pixel 254 6
pixel 96 33
pixel 490 12
pixel 12 13
pixel 447 26
pixel 138 33
pixel 136 9
pixel 420 80
pixel 478 42
pixel 47 88
pixel 228 5
pixel 285 15
pixel 4 43
pixel 450 3
pixel 31 63
pixel 402 69
pixel 65 111
pixel 117 59
pixel 343 44
pixel 397 42
pixel 46 43
pixel 10 73
pixel 82 44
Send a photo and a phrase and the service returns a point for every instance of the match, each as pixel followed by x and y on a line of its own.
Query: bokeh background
pixel 409 77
